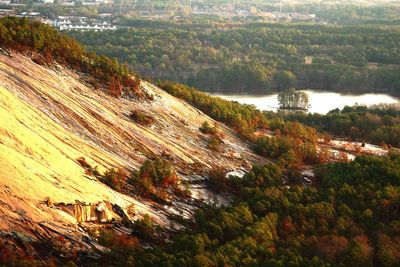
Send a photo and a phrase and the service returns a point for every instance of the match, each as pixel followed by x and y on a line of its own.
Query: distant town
pixel 66 23
pixel 98 21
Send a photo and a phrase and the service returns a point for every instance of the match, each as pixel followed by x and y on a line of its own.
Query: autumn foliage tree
pixel 155 178
pixel 115 178
pixel 115 87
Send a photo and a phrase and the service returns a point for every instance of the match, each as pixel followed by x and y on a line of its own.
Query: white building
pixel 84 28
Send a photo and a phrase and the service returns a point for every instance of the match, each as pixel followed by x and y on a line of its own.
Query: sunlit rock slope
pixel 49 118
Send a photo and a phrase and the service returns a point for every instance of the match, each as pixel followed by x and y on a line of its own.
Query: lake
pixel 320 101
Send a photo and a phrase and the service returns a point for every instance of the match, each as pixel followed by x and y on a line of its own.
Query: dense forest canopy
pixel 378 124
pixel 350 218
pixel 258 57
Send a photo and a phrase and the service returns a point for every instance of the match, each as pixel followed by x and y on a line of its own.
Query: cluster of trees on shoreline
pixel 257 57
pixel 293 100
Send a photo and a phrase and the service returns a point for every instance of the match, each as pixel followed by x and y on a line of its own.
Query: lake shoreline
pixel 355 93
pixel 321 101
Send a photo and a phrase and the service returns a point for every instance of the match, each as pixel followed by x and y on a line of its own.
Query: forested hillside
pixel 350 218
pixel 258 57
pixel 24 35
pixel 379 124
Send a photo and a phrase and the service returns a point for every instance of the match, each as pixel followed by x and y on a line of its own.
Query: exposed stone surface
pixel 101 212
pixel 49 119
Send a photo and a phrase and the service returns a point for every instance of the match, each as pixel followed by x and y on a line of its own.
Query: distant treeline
pixel 348 12
pixel 257 57
pixel 47 45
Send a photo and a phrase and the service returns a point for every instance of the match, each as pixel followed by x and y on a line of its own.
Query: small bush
pixel 144 228
pixel 218 180
pixel 141 118
pixel 122 247
pixel 207 129
pixel 115 178
pixel 158 173
pixel 82 161
pixel 215 143
pixel 89 170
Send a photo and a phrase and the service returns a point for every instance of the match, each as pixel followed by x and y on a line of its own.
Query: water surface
pixel 321 101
